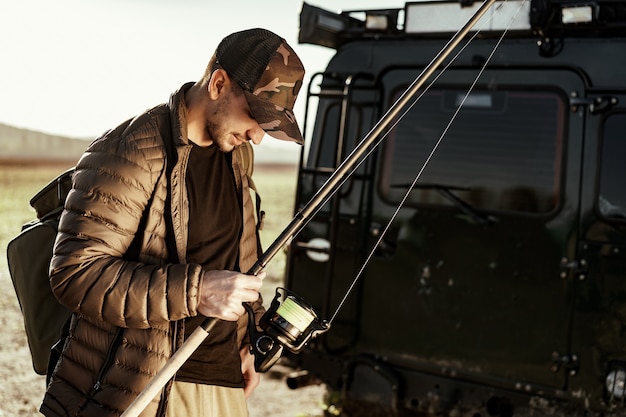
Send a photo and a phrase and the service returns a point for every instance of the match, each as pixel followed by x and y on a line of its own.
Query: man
pixel 157 234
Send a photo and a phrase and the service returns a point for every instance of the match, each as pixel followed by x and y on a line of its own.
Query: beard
pixel 216 129
pixel 219 136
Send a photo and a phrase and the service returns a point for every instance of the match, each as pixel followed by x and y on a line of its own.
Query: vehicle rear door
pixel 473 277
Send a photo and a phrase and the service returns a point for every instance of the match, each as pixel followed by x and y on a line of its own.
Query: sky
pixel 79 67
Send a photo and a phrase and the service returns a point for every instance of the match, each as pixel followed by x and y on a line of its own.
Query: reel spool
pixel 290 322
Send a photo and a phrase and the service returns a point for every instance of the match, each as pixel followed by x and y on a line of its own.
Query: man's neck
pixel 196 129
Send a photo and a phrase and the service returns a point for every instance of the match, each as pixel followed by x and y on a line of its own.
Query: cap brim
pixel 278 122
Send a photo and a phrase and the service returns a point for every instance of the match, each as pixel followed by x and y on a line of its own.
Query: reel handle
pixel 265 349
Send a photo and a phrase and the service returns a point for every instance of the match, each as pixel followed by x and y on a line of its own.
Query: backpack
pixel 29 255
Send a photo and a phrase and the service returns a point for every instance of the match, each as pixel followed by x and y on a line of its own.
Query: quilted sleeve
pixel 113 185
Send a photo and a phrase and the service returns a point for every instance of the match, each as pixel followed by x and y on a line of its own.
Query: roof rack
pixel 584 18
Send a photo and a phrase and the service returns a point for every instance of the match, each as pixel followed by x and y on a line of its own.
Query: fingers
pixel 250 376
pixel 222 293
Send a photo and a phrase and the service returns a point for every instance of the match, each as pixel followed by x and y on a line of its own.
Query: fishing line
pixel 425 90
pixel 434 149
pixel 278 331
pixel 401 116
pixel 293 322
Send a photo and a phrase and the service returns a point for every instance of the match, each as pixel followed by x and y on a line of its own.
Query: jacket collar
pixel 178 110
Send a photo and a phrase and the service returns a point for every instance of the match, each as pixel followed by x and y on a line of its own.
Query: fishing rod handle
pixel 176 361
pixel 168 371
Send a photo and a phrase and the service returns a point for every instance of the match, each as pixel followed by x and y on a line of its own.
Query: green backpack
pixel 29 255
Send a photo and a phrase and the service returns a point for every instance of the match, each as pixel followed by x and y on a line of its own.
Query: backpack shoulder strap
pixel 48 202
pixel 246 156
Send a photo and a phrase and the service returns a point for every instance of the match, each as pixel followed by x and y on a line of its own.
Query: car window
pixel 502 152
pixel 611 196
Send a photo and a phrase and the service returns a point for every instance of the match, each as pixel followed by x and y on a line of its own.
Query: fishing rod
pixel 293 323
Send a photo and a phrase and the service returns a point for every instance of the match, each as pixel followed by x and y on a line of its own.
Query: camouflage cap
pixel 270 73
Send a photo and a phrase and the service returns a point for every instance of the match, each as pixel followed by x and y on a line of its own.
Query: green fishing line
pixel 298 317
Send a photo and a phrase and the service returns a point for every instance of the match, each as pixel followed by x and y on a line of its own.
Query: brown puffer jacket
pixel 127 295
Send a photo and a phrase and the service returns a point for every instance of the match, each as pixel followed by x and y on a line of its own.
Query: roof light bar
pixel 439 16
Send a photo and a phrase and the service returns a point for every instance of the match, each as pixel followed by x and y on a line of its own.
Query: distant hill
pixel 27 146
pixel 23 145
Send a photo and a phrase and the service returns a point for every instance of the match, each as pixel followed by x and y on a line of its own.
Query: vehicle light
pixel 577 14
pixel 330 23
pixel 616 383
pixel 376 22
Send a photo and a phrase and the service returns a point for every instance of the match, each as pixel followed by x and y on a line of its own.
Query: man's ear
pixel 217 83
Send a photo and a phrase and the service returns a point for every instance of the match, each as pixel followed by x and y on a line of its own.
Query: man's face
pixel 231 123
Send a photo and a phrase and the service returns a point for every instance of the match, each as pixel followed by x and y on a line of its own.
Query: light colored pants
pixel 197 400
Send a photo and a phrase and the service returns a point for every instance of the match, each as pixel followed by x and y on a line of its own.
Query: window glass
pixel 502 152
pixel 612 198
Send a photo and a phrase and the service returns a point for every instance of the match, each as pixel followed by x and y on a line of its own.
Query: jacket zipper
pixel 166 389
pixel 108 361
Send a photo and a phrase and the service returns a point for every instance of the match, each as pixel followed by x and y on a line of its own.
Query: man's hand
pixel 250 376
pixel 222 293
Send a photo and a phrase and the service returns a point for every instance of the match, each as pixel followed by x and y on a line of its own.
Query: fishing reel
pixel 289 323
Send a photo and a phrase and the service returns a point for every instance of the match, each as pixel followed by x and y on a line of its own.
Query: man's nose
pixel 256 135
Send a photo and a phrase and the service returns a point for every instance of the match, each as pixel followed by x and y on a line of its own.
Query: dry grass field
pixel 21 389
